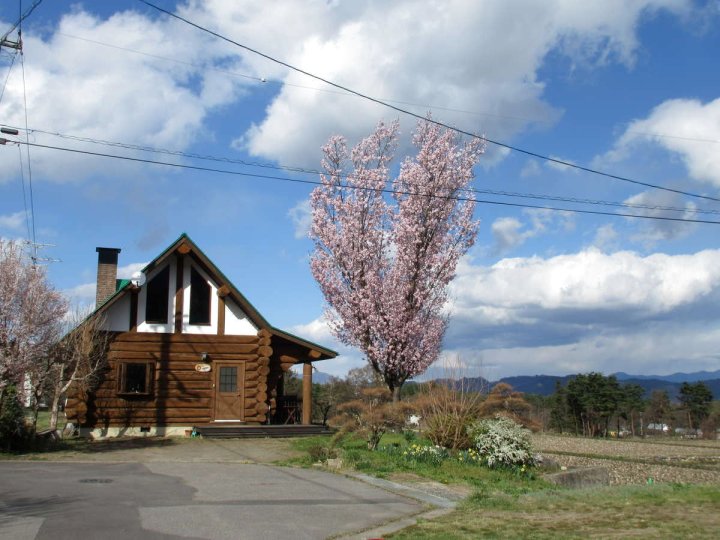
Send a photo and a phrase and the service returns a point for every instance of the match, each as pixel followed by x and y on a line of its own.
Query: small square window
pixel 135 378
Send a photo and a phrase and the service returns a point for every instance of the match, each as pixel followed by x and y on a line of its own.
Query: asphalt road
pixel 155 500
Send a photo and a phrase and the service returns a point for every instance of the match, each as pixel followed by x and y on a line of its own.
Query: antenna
pixel 34 246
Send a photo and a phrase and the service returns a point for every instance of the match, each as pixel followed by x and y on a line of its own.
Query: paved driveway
pixel 164 500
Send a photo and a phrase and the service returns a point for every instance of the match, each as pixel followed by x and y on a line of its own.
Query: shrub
pixel 370 416
pixel 449 429
pixel 13 430
pixel 503 400
pixel 449 407
pixel 502 443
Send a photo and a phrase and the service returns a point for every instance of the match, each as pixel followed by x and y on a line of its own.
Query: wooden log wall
pixel 180 394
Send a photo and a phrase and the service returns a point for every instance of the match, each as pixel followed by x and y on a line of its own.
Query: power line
pixel 431 120
pixel 425 106
pixel 293 85
pixel 390 191
pixel 22 183
pixel 7 77
pixel 158 57
pixel 575 200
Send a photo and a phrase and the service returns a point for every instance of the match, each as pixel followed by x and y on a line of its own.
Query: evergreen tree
pixel 696 399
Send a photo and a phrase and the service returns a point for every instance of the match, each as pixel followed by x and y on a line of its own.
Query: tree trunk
pixel 59 389
pixel 396 394
pixel 54 411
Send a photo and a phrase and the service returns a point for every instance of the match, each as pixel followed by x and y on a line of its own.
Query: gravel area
pixel 671 462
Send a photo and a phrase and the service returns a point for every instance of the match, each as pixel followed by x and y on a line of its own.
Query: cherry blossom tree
pixel 31 315
pixel 383 262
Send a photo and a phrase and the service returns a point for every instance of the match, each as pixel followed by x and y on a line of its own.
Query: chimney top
pixel 107 250
pixel 106 273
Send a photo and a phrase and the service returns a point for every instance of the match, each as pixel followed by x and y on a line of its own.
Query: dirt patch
pixel 637 462
pixel 453 492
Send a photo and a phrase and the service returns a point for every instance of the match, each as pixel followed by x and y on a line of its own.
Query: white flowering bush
pixel 433 455
pixel 502 443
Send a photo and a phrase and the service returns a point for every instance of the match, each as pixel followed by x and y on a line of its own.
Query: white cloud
pixel 687 128
pixel 579 311
pixel 588 280
pixel 126 272
pixel 89 90
pixel 656 204
pixel 573 313
pixel 508 234
pixel 318 331
pixel 606 238
pixel 531 168
pixel 81 298
pixel 12 222
pixel 411 50
pixel 417 51
pixel 301 216
pixel 561 166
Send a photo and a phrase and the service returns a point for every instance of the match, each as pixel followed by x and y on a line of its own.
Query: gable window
pixel 199 298
pixel 135 378
pixel 156 302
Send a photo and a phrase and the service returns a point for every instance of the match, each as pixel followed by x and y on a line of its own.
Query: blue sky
pixel 632 88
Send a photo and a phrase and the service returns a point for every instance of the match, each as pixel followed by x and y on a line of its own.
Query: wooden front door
pixel 229 395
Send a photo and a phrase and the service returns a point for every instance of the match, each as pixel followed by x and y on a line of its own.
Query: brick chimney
pixel 106 273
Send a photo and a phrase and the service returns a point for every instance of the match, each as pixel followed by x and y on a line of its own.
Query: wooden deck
pixel 241 431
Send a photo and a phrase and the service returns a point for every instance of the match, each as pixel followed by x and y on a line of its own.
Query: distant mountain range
pixel 675 377
pixel 545 384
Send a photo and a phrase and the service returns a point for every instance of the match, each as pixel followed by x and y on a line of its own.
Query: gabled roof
pixel 252 313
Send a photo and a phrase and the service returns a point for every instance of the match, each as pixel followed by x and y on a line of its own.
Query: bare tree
pixel 78 361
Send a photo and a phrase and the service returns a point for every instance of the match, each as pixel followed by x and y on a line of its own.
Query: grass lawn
pixel 382 464
pixel 503 504
pixel 653 511
pixel 43 421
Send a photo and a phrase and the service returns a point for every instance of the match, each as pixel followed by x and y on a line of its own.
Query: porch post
pixel 307 394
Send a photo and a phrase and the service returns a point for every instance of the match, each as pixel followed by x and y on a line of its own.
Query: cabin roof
pixel 123 286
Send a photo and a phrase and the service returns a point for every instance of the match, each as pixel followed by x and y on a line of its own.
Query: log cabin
pixel 187 352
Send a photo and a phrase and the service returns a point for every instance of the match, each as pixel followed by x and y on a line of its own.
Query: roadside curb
pixel 408 491
pixel 441 506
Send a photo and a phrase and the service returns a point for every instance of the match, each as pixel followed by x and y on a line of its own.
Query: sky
pixel 627 87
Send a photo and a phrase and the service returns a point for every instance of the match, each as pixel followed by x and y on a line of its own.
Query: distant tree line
pixel 594 405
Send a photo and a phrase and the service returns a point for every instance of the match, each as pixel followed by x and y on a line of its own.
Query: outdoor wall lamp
pixel 204 357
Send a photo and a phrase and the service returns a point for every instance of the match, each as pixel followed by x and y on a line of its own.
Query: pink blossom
pixel 31 313
pixel 384 263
